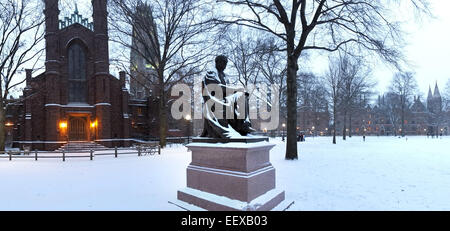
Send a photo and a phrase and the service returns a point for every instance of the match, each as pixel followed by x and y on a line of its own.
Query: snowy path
pixel 382 173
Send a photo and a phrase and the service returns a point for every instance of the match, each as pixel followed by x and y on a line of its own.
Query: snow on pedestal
pixel 232 176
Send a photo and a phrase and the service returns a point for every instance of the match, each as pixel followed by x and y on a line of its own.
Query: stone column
pixel 52 72
pixel 126 117
pixel 101 69
pixel 28 102
pixel 100 15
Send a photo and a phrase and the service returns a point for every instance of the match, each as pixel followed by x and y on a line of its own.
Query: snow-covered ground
pixel 383 173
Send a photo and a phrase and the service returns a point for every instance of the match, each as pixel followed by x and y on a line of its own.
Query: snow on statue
pixel 226 108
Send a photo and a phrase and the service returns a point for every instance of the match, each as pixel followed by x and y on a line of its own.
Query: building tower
pixel 143 74
pixel 430 107
pixel 52 70
pixel 434 100
pixel 101 67
pixel 437 99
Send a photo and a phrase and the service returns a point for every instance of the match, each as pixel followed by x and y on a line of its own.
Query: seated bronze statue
pixel 224 126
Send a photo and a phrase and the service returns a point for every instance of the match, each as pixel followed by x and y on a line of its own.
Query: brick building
pixel 420 118
pixel 76 98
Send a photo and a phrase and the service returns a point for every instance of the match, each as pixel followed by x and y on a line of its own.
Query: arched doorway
pixel 78 130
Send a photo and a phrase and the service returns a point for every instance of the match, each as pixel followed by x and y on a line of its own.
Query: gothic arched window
pixel 77 74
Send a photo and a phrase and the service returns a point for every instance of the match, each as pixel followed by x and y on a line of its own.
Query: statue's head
pixel 221 62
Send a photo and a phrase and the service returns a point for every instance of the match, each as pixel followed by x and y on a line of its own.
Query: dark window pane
pixel 77 74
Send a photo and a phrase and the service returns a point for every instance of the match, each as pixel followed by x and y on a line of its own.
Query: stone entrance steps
pixel 81 146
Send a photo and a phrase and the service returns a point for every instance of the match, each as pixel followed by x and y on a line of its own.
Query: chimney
pixel 29 73
pixel 122 75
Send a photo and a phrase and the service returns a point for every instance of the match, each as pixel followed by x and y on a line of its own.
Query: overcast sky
pixel 428 48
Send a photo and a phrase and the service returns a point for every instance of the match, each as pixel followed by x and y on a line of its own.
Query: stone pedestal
pixel 232 176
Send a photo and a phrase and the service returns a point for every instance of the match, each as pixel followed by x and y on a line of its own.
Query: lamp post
pixel 63 130
pixel 188 120
pixel 94 125
pixel 284 125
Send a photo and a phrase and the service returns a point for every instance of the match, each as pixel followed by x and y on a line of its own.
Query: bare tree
pixel 334 80
pixel 404 85
pixel 446 98
pixel 360 105
pixel 311 99
pixel 446 106
pixel 272 70
pixel 242 50
pixel 324 25
pixel 356 82
pixel 21 30
pixel 306 81
pixel 392 109
pixel 170 38
pixel 319 102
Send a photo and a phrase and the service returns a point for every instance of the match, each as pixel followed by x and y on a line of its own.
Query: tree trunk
pixel 162 118
pixel 350 125
pixel 344 130
pixel 2 126
pixel 291 80
pixel 403 120
pixel 334 123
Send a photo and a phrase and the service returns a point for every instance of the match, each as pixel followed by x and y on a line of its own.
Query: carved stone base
pixel 233 176
pixel 212 202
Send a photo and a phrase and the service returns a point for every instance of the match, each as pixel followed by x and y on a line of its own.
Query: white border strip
pixel 231 173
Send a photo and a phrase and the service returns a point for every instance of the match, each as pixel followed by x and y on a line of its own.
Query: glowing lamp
pixel 9 124
pixel 94 124
pixel 63 125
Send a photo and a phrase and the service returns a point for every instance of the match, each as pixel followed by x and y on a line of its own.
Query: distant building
pixel 313 122
pixel 143 79
pixel 420 119
pixel 434 101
